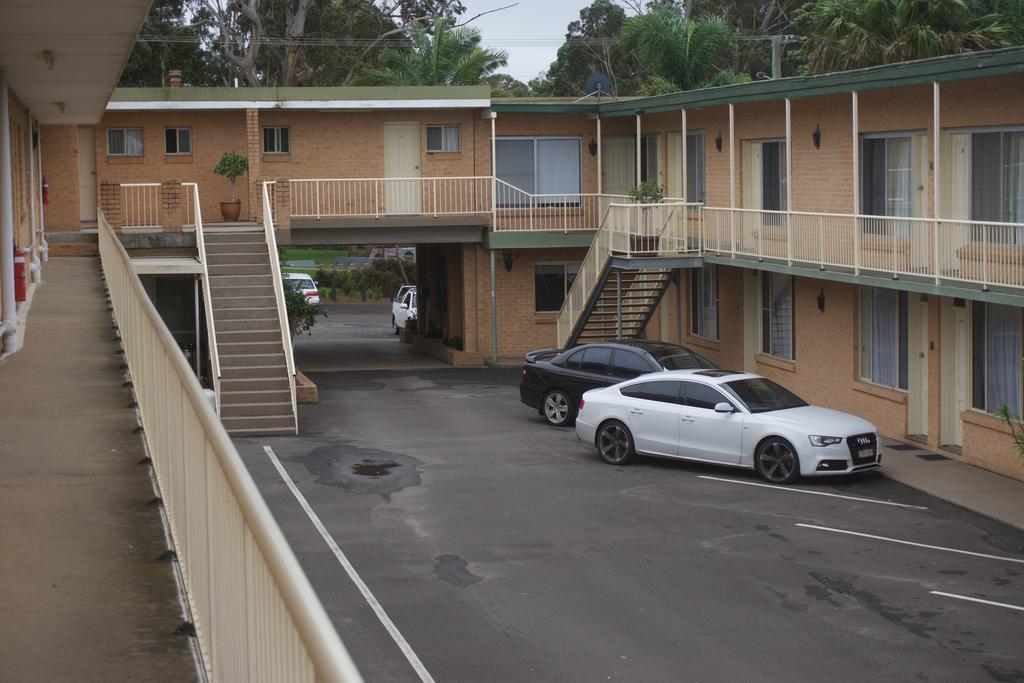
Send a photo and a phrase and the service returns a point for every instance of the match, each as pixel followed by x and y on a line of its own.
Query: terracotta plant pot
pixel 230 210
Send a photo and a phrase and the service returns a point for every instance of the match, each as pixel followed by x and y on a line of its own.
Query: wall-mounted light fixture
pixel 718 141
pixel 816 137
pixel 60 106
pixel 821 300
pixel 592 147
pixel 49 58
pixel 507 258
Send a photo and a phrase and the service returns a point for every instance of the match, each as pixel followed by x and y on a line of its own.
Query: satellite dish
pixel 597 84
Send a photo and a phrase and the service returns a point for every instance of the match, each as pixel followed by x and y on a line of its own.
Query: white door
pixel 87 174
pixel 705 434
pixel 402 161
pixel 618 165
pixel 917 366
pixel 653 416
pixel 955 358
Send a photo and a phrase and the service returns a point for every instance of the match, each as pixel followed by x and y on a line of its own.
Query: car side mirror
pixel 724 407
pixel 404 306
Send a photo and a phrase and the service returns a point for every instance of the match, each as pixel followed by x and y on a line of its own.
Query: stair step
pixel 226 237
pixel 268 371
pixel 263 424
pixel 220 293
pixel 216 281
pixel 233 348
pixel 250 325
pixel 255 384
pixel 216 260
pixel 249 360
pixel 261 335
pixel 256 409
pixel 248 313
pixel 231 269
pixel 236 248
pixel 227 302
pixel 254 396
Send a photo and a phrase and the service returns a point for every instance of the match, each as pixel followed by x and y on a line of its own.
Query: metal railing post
pixel 618 304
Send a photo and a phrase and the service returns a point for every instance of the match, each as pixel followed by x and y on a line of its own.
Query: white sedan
pixel 727 418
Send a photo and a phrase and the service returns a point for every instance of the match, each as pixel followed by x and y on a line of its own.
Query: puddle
pixel 454 570
pixel 368 468
pixel 362 470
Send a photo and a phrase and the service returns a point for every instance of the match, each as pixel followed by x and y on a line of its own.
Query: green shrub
pixel 232 166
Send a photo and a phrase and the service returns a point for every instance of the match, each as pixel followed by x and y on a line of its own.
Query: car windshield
pixel 299 285
pixel 762 395
pixel 682 359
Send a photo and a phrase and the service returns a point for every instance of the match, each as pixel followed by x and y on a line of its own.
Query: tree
pixel 851 34
pixel 167 40
pixel 591 46
pixel 451 56
pixel 679 54
pixel 503 85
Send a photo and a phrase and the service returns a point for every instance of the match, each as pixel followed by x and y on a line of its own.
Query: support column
pixel 936 185
pixel 494 314
pixel 494 182
pixel 682 152
pixel 638 174
pixel 855 132
pixel 789 182
pixel 8 307
pixel 732 180
pixel 600 169
pixel 254 143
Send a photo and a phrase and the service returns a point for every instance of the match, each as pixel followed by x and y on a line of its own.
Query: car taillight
pixel 312 293
pixel 582 403
pixel 524 371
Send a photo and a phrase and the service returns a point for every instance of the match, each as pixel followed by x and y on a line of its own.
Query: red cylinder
pixel 19 277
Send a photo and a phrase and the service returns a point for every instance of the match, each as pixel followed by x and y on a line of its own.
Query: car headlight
pixel 825 440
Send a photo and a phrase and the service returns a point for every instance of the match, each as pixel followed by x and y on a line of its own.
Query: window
pixel 595 360
pixel 773 176
pixel 649 158
pixel 695 167
pixel 762 395
pixel 996 354
pixel 702 396
pixel 574 361
pixel 276 140
pixel 777 321
pixel 633 390
pixel 124 142
pixel 704 301
pixel 551 283
pixel 883 336
pixel 177 140
pixel 662 391
pixel 628 365
pixel 443 138
pixel 997 183
pixel 887 182
pixel 548 166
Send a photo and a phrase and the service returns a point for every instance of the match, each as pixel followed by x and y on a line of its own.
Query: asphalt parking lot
pixel 474 542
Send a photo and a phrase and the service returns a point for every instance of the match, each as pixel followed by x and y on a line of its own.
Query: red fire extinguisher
pixel 46 192
pixel 19 276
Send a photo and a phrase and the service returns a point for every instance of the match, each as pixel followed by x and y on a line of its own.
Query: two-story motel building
pixel 858 237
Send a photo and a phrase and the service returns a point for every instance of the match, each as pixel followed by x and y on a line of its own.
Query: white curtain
pixel 558 169
pixel 450 142
pixel 1013 182
pixel 899 175
pixel 885 336
pixel 1003 358
pixel 133 141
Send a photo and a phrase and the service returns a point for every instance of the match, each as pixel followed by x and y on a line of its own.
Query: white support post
pixel 855 132
pixel 600 169
pixel 8 306
pixel 732 180
pixel 936 185
pixel 494 190
pixel 639 175
pixel 682 152
pixel 789 182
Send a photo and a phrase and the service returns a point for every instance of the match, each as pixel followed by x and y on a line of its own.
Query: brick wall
pixel 60 168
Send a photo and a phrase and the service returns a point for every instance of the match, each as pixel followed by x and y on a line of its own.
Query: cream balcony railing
pixel 191 192
pixel 376 197
pixel 140 205
pixel 282 312
pixel 255 614
pixel 516 210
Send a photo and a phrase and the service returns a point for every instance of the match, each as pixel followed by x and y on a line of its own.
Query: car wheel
pixel 394 324
pixel 615 443
pixel 557 409
pixel 776 461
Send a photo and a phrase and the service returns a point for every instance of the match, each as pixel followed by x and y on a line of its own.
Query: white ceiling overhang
pixel 90 41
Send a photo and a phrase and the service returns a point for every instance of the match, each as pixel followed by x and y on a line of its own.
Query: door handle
pixel 687 418
pixel 634 411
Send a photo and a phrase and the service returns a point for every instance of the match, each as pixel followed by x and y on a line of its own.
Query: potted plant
pixel 647 192
pixel 232 166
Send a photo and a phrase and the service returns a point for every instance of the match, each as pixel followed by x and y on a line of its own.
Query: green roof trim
pixel 937 69
pixel 352 93
pixel 526 239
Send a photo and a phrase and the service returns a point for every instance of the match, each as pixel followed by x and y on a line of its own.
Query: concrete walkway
pixel 83 595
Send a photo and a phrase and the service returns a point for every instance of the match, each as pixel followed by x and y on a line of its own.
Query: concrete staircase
pixel 255 390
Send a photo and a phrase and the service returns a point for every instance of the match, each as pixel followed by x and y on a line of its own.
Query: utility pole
pixel 776 57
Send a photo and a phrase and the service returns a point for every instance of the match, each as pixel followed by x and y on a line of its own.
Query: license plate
pixel 866 453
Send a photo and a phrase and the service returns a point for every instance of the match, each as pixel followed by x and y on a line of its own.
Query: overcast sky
pixel 531 32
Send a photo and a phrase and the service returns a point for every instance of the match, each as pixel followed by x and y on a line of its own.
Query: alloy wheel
pixel 777 462
pixel 556 407
pixel 613 442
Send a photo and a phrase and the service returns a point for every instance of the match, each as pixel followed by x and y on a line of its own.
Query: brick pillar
pixel 110 203
pixel 470 331
pixel 254 152
pixel 282 205
pixel 172 206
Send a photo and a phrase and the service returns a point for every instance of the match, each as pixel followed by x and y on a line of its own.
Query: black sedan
pixel 553 381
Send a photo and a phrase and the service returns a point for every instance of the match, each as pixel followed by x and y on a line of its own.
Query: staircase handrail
pixel 211 332
pixel 586 279
pixel 278 284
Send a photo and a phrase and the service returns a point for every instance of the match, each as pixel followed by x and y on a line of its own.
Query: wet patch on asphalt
pixel 362 470
pixel 453 569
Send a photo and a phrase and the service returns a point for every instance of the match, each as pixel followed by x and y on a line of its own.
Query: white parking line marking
pixel 389 625
pixel 813 493
pixel 983 602
pixel 919 545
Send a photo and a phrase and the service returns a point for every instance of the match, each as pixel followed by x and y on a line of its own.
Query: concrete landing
pixel 83 596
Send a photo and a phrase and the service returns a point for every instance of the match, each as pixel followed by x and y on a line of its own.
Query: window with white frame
pixel 883 337
pixel 704 301
pixel 177 140
pixel 887 181
pixel 997 184
pixel 695 167
pixel 124 142
pixel 544 166
pixel 996 356
pixel 777 319
pixel 443 138
pixel 649 158
pixel 551 282
pixel 276 140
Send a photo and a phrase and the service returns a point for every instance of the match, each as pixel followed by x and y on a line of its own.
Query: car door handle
pixel 634 411
pixel 687 418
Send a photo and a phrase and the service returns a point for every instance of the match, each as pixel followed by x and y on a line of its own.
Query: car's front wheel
pixel 615 443
pixel 558 411
pixel 776 461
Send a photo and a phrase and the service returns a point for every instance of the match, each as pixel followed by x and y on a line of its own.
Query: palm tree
pixel 451 56
pixel 680 54
pixel 851 34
